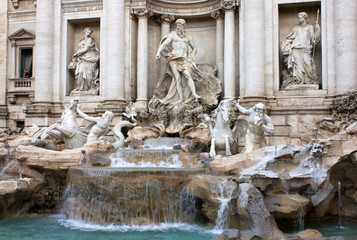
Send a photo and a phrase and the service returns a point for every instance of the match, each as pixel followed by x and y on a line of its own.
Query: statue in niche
pixel 186 87
pixel 85 63
pixel 298 50
pixel 257 125
pixel 101 126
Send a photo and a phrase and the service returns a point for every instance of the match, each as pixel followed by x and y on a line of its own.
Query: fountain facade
pixel 284 150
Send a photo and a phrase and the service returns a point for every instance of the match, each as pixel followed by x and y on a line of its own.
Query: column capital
pixel 217 14
pixel 142 12
pixel 229 4
pixel 165 18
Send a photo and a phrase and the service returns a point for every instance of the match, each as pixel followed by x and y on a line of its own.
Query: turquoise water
pixel 328 228
pixel 56 227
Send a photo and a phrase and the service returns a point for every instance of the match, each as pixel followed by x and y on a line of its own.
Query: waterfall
pixel 129 196
pixel 223 193
pixel 301 212
pixel 339 206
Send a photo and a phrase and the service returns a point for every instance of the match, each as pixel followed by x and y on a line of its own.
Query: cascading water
pixel 152 159
pixel 301 212
pixel 224 193
pixel 339 206
pixel 129 196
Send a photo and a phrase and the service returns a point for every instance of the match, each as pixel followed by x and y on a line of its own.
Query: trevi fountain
pixel 178 119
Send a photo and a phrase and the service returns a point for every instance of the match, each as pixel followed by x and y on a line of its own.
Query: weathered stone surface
pixel 254 218
pixel 310 234
pixel 234 164
pixel 287 205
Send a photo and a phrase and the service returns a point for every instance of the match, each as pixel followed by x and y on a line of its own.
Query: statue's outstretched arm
pixel 85 116
pixel 242 109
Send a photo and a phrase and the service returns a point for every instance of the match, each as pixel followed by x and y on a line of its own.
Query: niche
pixel 75 35
pixel 299 56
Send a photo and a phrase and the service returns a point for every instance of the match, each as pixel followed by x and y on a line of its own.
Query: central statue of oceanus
pixel 187 89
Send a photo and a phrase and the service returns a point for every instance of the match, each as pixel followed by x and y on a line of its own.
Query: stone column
pixel 127 46
pixel 3 63
pixel 165 21
pixel 44 52
pixel 218 15
pixel 142 58
pixel 114 91
pixel 229 50
pixel 346 45
pixel 254 49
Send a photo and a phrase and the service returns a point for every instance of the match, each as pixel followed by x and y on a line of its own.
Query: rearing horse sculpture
pixel 222 136
pixel 67 129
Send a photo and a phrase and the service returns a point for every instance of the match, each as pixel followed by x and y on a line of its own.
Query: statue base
pixel 77 93
pixel 302 87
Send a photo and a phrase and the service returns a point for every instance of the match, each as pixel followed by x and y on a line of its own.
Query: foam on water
pixel 162 227
pixel 171 161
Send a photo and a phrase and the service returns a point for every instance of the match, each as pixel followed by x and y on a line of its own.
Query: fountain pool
pixel 58 227
pixel 329 227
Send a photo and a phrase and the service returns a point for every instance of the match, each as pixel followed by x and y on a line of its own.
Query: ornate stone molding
pixel 217 14
pixel 15 3
pixel 183 7
pixel 167 18
pixel 229 4
pixel 69 6
pixel 142 12
pixel 22 16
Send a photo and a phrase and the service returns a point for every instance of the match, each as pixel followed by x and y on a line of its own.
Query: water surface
pixel 56 227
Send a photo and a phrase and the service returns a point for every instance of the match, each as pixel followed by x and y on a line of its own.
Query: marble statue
pixel 298 50
pixel 101 126
pixel 85 63
pixel 66 129
pixel 258 124
pixel 186 89
pixel 130 113
pixel 180 63
pixel 222 135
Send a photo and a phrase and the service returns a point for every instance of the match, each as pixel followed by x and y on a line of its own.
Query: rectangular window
pixel 20 124
pixel 25 63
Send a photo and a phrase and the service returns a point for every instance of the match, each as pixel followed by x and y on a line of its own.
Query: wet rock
pixel 254 218
pixel 230 234
pixel 310 234
pixel 286 205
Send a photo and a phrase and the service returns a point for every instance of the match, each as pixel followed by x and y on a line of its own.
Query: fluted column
pixel 165 21
pixel 44 51
pixel 115 59
pixel 254 49
pixel 219 16
pixel 346 45
pixel 142 59
pixel 229 50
